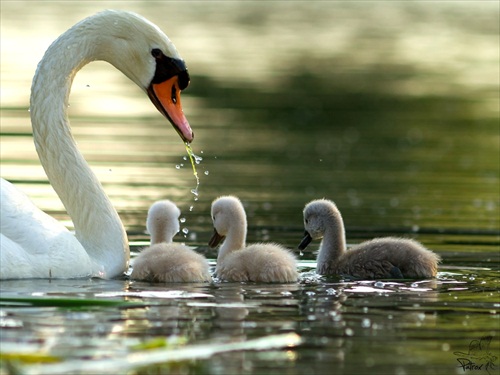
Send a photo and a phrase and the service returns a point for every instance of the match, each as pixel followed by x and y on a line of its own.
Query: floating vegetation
pixel 48 301
pixel 29 358
pixel 163 354
pixel 161 342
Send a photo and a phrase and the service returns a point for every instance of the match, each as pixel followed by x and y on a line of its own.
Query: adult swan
pixel 35 245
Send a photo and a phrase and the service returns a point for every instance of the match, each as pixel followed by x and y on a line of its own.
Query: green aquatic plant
pixel 64 302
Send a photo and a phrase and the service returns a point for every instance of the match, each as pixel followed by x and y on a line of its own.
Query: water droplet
pixel 206 173
pixel 185 230
pixel 192 158
pixel 191 208
pixel 379 284
pixel 366 323
pixel 182 219
pixel 301 253
pixel 177 166
pixel 184 158
pixel 349 332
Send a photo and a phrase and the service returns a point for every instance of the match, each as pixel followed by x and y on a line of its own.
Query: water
pixel 389 109
pixel 194 159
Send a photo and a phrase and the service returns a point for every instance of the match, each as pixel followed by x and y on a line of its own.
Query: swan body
pixel 380 258
pixel 165 261
pixel 261 262
pixel 33 244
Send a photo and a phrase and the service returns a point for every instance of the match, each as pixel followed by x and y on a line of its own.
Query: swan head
pixel 227 212
pixel 141 51
pixel 163 221
pixel 318 216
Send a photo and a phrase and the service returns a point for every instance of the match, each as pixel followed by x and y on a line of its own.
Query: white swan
pixel 261 262
pixel 380 258
pixel 33 244
pixel 165 261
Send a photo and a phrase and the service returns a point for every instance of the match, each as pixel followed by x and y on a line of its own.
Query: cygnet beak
pixel 215 240
pixel 305 241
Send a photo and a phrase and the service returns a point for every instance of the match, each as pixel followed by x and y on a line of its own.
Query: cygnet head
pixel 163 221
pixel 140 50
pixel 319 216
pixel 228 214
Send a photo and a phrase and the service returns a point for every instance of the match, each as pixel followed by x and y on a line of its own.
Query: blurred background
pixel 391 109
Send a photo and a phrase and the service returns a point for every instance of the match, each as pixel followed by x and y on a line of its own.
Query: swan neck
pixel 235 238
pixel 333 245
pixel 157 238
pixel 96 222
pixel 161 236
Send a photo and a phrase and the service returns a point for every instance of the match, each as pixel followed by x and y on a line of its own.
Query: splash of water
pixel 194 159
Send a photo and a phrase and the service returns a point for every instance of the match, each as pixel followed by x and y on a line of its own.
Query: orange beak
pixel 166 96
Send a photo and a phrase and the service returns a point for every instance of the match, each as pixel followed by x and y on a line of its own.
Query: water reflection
pixel 329 316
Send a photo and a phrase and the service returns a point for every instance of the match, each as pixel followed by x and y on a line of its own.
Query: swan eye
pixel 306 221
pixel 156 52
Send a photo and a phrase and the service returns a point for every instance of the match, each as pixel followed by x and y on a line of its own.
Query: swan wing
pixel 34 244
